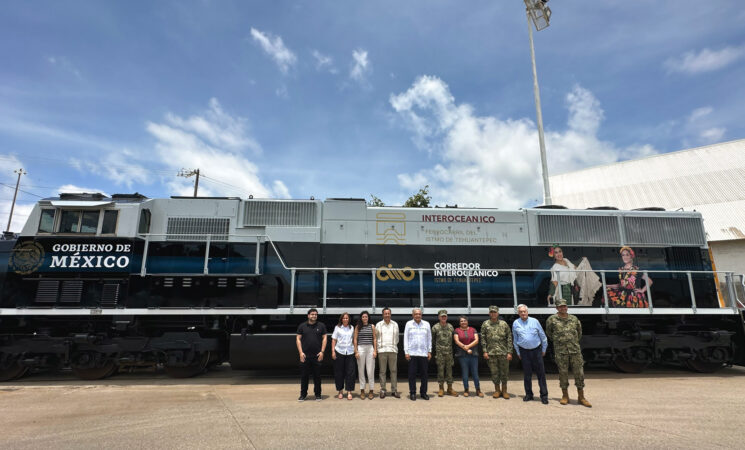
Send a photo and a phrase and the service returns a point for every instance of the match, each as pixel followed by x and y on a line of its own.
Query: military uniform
pixel 496 341
pixel 442 338
pixel 566 333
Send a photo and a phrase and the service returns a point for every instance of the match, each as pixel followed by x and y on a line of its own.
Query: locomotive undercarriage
pixel 98 349
pixel 188 346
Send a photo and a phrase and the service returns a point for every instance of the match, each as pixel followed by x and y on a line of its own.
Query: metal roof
pixel 708 179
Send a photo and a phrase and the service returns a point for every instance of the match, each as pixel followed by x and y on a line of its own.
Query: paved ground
pixel 661 409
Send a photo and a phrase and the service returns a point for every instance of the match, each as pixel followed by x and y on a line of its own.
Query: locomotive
pixel 103 284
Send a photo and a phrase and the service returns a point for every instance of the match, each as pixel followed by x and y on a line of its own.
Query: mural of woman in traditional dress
pixel 629 292
pixel 575 284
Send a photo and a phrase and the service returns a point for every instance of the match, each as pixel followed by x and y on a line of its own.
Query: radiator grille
pixel 47 291
pixel 71 291
pixel 280 214
pixel 110 295
pixel 664 231
pixel 197 228
pixel 571 229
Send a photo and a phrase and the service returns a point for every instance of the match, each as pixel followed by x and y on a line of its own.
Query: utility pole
pixel 15 194
pixel 190 173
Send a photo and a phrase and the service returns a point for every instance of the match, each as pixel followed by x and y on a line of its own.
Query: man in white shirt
pixel 386 332
pixel 418 350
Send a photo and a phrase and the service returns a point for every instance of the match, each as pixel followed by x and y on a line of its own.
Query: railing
pixel 728 294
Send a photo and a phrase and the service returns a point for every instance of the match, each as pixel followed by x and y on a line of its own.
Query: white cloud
pixel 700 113
pixel 704 61
pixel 485 161
pixel 65 65
pixel 124 168
pixel 323 62
pixel 223 162
pixel 712 135
pixel 276 49
pixel 360 66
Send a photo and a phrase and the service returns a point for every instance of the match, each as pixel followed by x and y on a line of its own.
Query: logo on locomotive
pixel 27 258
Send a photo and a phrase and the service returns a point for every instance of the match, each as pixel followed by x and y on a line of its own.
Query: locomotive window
pixel 109 221
pixel 89 221
pixel 144 226
pixel 79 221
pixel 46 224
pixel 70 222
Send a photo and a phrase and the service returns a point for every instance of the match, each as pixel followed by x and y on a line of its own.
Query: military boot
pixel 441 392
pixel 581 398
pixel 451 391
pixel 564 396
pixel 497 392
pixel 505 395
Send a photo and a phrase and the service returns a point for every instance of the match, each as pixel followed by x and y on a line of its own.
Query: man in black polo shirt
pixel 311 343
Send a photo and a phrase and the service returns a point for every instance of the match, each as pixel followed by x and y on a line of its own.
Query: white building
pixel 710 180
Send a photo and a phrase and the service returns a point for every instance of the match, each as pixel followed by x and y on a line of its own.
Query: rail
pixel 732 300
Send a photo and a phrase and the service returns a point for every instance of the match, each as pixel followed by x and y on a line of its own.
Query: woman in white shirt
pixel 563 275
pixel 342 352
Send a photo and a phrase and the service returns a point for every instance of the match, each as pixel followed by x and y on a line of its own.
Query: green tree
pixel 419 200
pixel 375 201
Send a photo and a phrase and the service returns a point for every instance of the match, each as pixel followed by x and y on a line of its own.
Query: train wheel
pixel 12 371
pixel 626 366
pixel 703 366
pixel 82 363
pixel 199 366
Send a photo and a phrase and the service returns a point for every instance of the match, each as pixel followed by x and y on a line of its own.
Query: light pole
pixel 539 15
pixel 15 194
pixel 190 173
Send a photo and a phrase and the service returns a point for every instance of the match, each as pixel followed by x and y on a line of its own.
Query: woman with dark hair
pixel 629 293
pixel 342 352
pixel 563 276
pixel 466 339
pixel 365 350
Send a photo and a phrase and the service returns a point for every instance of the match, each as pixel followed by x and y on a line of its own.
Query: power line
pixel 21 190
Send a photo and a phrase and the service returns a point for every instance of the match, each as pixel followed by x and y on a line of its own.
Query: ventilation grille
pixel 186 282
pixel 197 228
pixel 280 214
pixel 71 291
pixel 47 291
pixel 110 295
pixel 222 282
pixel 664 231
pixel 566 229
pixel 168 282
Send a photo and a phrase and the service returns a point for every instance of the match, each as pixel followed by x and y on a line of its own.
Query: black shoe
pixel 527 398
pixel 412 397
pixel 544 401
pixel 318 398
pixel 397 394
pixel 382 394
pixel 424 396
pixel 301 398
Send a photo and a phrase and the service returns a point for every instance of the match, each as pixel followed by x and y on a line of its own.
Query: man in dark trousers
pixel 530 343
pixel 311 343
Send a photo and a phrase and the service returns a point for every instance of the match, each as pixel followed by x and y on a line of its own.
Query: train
pixel 100 284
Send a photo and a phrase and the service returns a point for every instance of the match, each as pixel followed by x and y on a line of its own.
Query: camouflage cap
pixel 442 312
pixel 494 308
pixel 560 302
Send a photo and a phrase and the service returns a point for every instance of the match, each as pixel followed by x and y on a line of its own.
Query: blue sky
pixel 346 99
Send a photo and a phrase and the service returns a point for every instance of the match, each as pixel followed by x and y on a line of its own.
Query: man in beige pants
pixel 386 333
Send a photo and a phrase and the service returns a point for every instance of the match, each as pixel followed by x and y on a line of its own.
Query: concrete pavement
pixel 224 409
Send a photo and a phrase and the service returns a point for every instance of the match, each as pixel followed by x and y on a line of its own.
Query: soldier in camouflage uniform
pixel 442 338
pixel 496 342
pixel 565 331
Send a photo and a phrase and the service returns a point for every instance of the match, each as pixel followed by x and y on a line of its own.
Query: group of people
pixel 365 342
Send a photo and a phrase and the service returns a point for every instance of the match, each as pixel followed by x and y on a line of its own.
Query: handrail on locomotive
pixel 735 303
